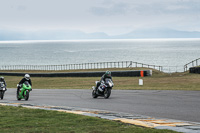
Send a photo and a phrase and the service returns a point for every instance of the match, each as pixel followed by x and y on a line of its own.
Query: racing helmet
pixel 108 74
pixel 27 76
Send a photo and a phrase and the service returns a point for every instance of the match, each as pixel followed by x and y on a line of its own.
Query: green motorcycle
pixel 24 91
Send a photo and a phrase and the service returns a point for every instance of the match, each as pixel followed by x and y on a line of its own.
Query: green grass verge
pixel 19 119
pixel 158 81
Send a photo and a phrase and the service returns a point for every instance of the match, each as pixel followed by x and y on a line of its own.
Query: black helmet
pixel 108 74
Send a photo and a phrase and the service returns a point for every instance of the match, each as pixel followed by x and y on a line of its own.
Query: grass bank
pixel 158 81
pixel 19 119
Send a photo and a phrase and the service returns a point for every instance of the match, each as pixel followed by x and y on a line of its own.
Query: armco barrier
pixel 84 74
pixel 194 70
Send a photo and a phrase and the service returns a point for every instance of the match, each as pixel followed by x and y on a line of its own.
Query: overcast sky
pixel 110 16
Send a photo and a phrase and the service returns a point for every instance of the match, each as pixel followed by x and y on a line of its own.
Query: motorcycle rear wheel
pixel 18 96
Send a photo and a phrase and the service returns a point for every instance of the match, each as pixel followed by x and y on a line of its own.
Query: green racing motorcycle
pixel 24 91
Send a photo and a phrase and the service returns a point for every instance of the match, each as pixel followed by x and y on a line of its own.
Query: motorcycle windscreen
pixel 26 85
pixel 109 82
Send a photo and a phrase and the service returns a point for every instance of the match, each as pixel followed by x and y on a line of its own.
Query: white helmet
pixel 1 78
pixel 27 76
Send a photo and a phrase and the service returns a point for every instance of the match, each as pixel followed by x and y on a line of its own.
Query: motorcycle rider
pixel 26 78
pixel 106 75
pixel 2 80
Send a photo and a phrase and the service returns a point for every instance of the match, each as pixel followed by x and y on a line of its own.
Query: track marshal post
pixel 141 80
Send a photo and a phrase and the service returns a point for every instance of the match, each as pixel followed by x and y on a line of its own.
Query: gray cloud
pixel 21 8
pixel 110 16
pixel 110 9
pixel 151 7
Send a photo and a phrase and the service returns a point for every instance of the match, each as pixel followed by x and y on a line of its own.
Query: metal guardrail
pixel 191 64
pixel 99 65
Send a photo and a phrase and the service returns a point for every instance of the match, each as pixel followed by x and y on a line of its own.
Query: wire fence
pixel 99 65
pixel 172 69
pixel 102 65
pixel 192 64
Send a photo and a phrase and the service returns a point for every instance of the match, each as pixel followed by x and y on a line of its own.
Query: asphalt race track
pixel 179 105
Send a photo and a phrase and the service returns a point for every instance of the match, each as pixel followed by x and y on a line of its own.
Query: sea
pixel 163 52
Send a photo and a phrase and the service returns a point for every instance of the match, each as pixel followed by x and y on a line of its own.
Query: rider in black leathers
pixel 2 80
pixel 26 78
pixel 106 75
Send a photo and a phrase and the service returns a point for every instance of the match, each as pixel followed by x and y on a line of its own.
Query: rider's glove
pixel 19 85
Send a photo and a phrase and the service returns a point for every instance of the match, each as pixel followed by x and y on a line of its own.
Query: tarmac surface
pixel 151 105
pixel 181 105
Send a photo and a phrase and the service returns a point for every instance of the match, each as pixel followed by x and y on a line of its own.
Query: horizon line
pixel 77 40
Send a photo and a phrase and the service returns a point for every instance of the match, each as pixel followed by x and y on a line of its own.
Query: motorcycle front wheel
pixel 94 95
pixel 1 94
pixel 107 93
pixel 26 96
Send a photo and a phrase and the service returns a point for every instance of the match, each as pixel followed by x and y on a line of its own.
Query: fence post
pixel 196 63
pixel 184 68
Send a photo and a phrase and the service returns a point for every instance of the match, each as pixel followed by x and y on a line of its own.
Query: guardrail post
pixel 196 63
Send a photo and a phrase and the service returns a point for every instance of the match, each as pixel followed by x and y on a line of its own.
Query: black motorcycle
pixel 2 89
pixel 104 89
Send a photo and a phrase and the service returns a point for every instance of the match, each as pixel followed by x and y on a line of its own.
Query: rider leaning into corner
pixel 2 80
pixel 26 78
pixel 106 75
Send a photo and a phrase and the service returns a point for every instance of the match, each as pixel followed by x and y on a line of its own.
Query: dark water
pixel 164 52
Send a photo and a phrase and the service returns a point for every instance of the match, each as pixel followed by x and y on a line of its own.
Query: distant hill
pixel 51 35
pixel 159 33
pixel 76 35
